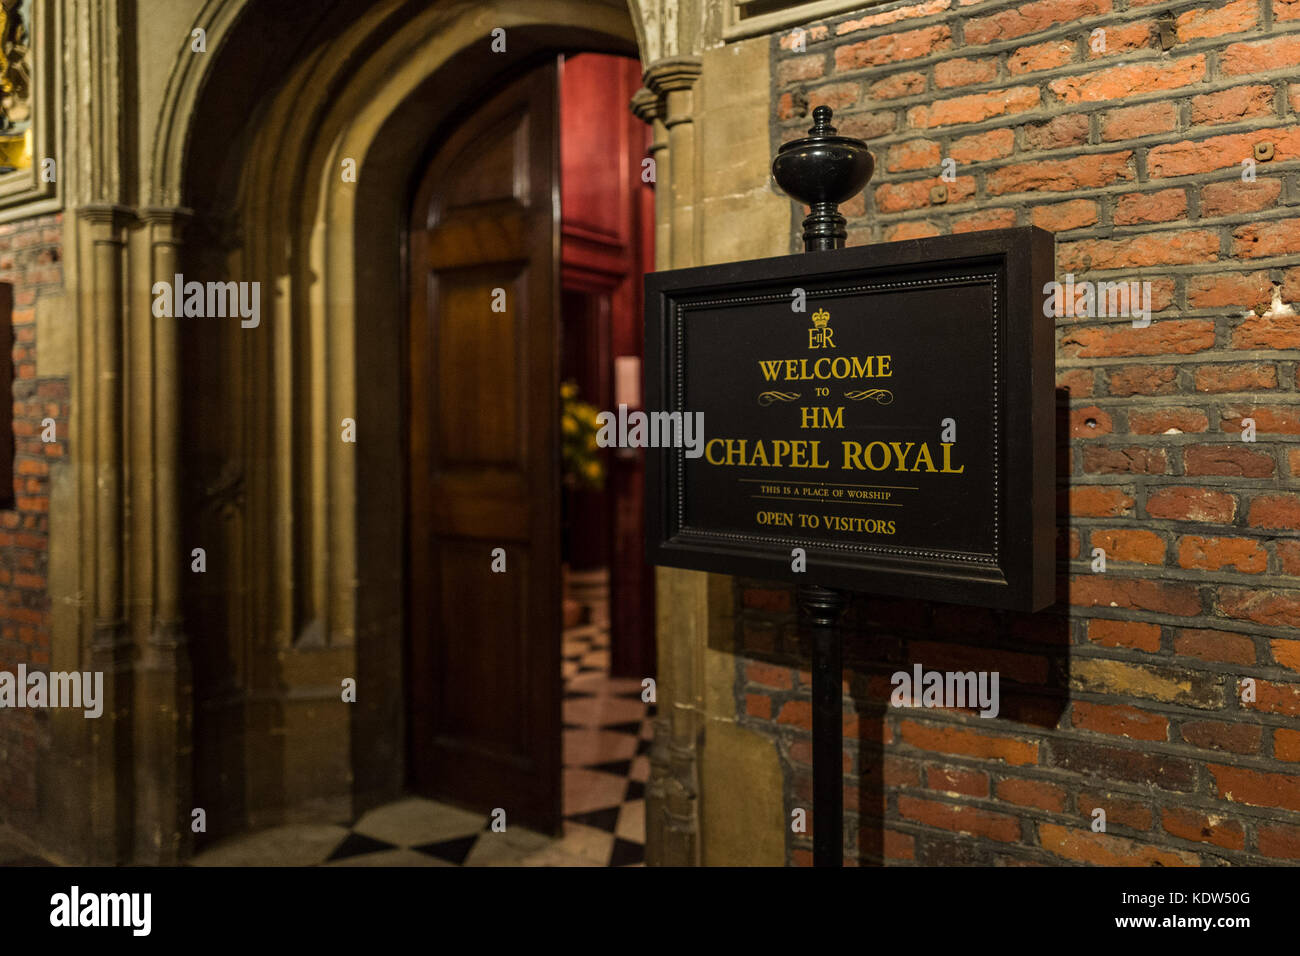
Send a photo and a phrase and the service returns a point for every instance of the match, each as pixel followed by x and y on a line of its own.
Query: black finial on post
pixel 822 170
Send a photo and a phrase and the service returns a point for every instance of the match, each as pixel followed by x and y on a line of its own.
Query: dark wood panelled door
pixel 484 462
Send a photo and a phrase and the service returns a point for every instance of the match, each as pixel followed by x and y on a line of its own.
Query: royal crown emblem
pixel 821 318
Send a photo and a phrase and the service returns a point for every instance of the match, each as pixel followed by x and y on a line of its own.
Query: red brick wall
pixel 1126 695
pixel 30 255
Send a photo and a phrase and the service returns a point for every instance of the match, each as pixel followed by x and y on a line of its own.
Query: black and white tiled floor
pixel 606 764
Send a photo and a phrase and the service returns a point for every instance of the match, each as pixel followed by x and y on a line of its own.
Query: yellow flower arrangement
pixel 580 453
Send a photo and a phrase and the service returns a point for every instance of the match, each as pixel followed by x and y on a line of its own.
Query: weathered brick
pixel 1237 16
pixel 1012 665
pixel 1120 720
pixel 1130 544
pixel 971 743
pixel 1274 698
pixel 963 819
pixel 796 713
pixel 1134 634
pixel 1218 152
pixel 1148 249
pixel 1090 422
pixel 1040 56
pixel 1063 175
pixel 1162 206
pixel 1276 608
pixel 1215 645
pixel 1075 214
pixel 837 96
pixel 956 780
pixel 1135 460
pixel 1257 788
pixel 1288 555
pixel 1119 763
pixel 1216 735
pixel 1268 419
pixel 1143 380
pixel 1148 681
pixel 1120 810
pixel 1279 840
pixel 864 125
pixel 1032 793
pixel 769 675
pixel 898 197
pixel 1120 81
pixel 900 84
pixel 965 71
pixel 1108 590
pixel 1124 38
pixel 1242 377
pixel 1238 460
pixel 1077 381
pixel 1058 132
pixel 1132 122
pixel 1278 237
pixel 800 68
pixel 995 144
pixel 1030 18
pixel 1161 421
pixel 912 154
pixel 1234 197
pixel 974 107
pixel 1232 106
pixel 1099 501
pixel 1202 827
pixel 985 219
pixel 913 229
pixel 891 48
pixel 1250 59
pixel 1192 504
pixel 1286 744
pixel 1268 332
pixel 1275 511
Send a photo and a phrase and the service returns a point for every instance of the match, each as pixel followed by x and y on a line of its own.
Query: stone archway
pixel 311 589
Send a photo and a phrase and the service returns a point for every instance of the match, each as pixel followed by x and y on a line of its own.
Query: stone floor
pixel 606 741
pixel 607 731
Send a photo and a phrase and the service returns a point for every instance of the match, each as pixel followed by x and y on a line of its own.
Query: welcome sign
pixel 888 410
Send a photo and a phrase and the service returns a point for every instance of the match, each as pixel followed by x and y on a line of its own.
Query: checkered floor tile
pixel 607 731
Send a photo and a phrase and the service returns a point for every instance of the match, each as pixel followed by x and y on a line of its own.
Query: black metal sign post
pixel 823 170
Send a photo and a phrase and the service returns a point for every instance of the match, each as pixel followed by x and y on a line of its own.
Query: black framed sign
pixel 888 409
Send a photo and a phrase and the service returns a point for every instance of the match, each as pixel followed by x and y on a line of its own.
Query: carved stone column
pixel 672 813
pixel 164 684
pixel 110 651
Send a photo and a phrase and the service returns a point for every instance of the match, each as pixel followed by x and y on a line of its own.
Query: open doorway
pixel 511 296
pixel 608 646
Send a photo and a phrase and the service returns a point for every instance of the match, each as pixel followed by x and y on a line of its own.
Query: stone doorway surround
pixel 299 523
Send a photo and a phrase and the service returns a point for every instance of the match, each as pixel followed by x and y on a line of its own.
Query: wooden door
pixel 607 229
pixel 484 462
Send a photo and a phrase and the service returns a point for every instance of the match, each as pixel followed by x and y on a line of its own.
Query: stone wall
pixel 30 259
